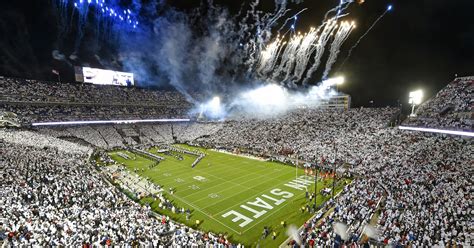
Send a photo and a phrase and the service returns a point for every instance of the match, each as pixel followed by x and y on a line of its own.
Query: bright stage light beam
pixel 334 81
pixel 215 103
pixel 213 108
pixel 340 80
pixel 415 98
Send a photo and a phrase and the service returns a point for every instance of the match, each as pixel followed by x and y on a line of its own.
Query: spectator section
pixel 451 108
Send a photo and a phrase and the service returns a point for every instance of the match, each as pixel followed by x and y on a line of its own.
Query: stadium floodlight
pixel 215 102
pixel 339 80
pixel 415 98
pixel 213 108
pixel 334 81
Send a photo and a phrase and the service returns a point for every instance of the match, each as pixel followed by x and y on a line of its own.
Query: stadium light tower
pixel 339 81
pixel 415 98
pixel 333 82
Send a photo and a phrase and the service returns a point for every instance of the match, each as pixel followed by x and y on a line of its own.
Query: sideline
pixel 239 155
pixel 285 243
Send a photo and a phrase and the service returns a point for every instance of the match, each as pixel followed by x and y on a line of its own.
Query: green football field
pixel 230 194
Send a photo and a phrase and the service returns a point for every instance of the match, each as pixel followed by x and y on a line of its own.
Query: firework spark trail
pixel 304 54
pixel 343 5
pixel 342 34
pixel 268 57
pixel 329 26
pixel 275 58
pixel 287 58
pixel 81 23
pixel 290 63
pixel 263 25
pixel 258 34
pixel 389 8
pixel 294 17
pixel 287 62
pixel 234 49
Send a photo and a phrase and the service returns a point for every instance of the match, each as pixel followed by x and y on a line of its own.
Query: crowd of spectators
pixel 39 101
pixel 309 133
pixel 53 196
pixel 392 169
pixel 114 136
pixel 413 188
pixel 420 180
pixel 33 91
pixel 452 107
pixel 28 114
pixel 422 183
pixel 428 193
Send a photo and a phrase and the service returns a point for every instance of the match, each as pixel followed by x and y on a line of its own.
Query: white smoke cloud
pixel 216 54
pixel 57 55
pixel 266 101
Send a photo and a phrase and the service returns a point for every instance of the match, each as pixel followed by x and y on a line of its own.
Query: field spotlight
pixel 415 98
pixel 334 81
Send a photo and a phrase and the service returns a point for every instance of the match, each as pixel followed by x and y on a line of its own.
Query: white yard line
pixel 211 217
pixel 245 175
pixel 181 167
pixel 220 200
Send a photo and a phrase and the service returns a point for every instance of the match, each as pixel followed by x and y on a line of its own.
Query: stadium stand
pixel 37 101
pixel 31 114
pixel 419 189
pixel 33 91
pixel 414 187
pixel 451 107
pixel 311 134
pixel 52 196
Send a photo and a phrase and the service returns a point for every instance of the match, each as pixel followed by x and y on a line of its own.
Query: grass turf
pixel 230 181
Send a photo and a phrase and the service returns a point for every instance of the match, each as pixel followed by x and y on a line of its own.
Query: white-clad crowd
pixel 28 114
pixel 421 186
pixel 310 133
pixel 34 91
pixel 52 196
pixel 452 107
pixel 414 188
pixel 39 101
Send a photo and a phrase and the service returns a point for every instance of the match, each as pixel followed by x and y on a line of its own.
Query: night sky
pixel 420 44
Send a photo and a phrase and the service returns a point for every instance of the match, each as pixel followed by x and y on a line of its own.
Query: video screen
pixel 107 77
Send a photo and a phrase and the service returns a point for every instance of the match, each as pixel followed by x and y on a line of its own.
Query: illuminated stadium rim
pixel 433 130
pixel 59 123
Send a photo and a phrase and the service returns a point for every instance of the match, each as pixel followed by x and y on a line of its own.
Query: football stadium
pixel 286 123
